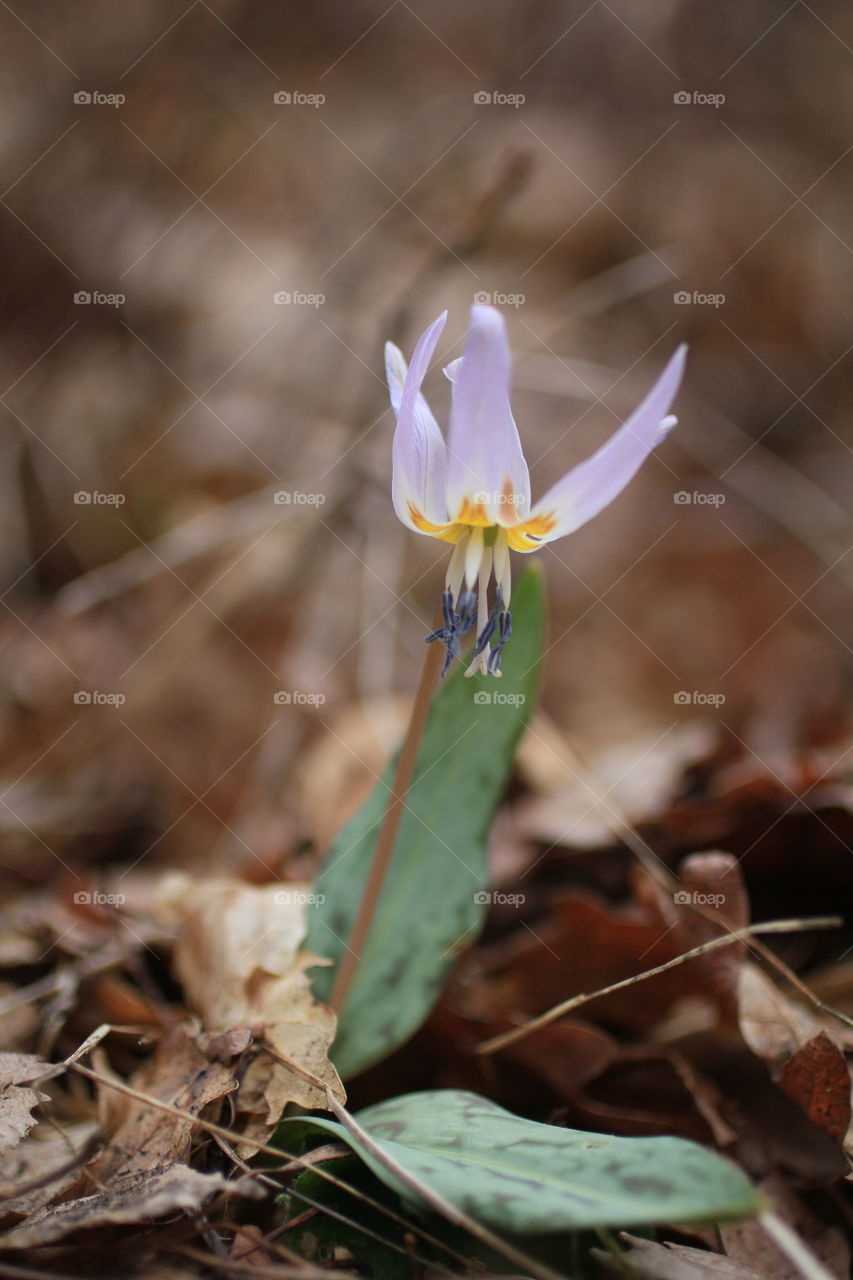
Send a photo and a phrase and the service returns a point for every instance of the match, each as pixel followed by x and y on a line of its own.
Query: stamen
pixel 505 634
pixel 455 624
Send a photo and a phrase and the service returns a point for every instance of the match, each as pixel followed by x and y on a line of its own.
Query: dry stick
pixel 291 1163
pixel 737 935
pixel 661 874
pixel 388 830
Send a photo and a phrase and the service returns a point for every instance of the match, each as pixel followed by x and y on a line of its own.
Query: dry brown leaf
pixel 16 1100
pixel 142 1137
pixel 649 1261
pixel 746 1243
pixel 636 779
pixel 773 1026
pixel 239 961
pixel 818 1079
pixel 133 1197
pixel 43 1166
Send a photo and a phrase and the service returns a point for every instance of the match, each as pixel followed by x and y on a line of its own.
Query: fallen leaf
pixel 817 1077
pixel 239 961
pixel 650 1261
pixel 16 1100
pixel 41 1167
pixel 141 1137
pixel 747 1244
pixel 133 1197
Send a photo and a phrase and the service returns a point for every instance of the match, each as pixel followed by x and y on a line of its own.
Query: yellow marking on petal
pixel 473 513
pixel 426 526
pixel 529 535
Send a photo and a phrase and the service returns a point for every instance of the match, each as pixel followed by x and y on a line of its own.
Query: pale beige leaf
pixel 238 958
pixel 131 1198
pixel 16 1100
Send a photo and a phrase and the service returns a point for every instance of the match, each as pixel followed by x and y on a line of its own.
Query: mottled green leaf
pixel 521 1177
pixel 432 902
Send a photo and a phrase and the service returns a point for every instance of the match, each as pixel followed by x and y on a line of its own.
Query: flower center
pixel 465 600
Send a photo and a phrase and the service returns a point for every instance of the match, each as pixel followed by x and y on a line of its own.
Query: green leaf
pixel 522 1177
pixel 431 901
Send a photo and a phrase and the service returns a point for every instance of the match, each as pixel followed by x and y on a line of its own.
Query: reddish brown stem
pixel 388 831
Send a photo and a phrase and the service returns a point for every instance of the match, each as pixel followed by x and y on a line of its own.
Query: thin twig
pixel 567 1006
pixel 793 1247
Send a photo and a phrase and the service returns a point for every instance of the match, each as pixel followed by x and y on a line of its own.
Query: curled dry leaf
pixel 239 961
pixel 16 1100
pixel 133 1197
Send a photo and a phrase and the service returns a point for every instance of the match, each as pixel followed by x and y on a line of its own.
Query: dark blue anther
pixel 504 634
pixel 455 624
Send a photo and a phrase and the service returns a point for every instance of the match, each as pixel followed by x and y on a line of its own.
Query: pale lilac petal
pixel 485 467
pixel 419 471
pixel 589 487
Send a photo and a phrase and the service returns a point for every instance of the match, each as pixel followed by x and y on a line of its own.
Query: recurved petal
pixel 589 487
pixel 486 471
pixel 419 470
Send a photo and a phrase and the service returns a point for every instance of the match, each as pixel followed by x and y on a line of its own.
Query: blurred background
pixel 214 215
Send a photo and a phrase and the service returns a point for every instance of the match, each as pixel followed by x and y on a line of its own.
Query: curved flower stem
pixel 388 831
